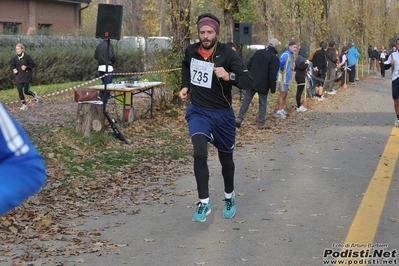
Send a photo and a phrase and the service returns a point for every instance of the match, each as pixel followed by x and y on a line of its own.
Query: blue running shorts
pixel 217 124
pixel 395 89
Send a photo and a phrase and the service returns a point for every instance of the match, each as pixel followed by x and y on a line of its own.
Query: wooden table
pixel 133 89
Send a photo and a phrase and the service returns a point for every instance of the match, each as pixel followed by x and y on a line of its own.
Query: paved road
pixel 297 196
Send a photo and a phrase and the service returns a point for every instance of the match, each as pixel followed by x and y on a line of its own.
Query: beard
pixel 208 46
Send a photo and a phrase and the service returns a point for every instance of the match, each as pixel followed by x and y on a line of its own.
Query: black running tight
pixel 201 170
pixel 24 88
pixel 299 89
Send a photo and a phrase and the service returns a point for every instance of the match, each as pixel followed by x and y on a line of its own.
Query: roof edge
pixel 76 1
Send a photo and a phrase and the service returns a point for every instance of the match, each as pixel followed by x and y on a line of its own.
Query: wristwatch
pixel 232 76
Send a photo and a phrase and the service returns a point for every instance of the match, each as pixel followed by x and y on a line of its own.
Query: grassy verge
pixel 69 153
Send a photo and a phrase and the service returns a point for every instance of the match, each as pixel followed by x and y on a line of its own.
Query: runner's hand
pixel 183 93
pixel 220 72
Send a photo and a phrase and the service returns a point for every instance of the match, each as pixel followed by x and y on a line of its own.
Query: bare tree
pixel 180 23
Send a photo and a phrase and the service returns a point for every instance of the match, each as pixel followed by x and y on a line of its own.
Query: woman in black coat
pixel 22 65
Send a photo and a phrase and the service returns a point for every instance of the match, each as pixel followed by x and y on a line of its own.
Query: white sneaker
pixel 24 107
pixel 301 109
pixel 397 123
pixel 321 99
pixel 284 111
pixel 280 114
pixel 332 92
pixel 35 97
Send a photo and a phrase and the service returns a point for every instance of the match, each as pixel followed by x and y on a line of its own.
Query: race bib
pixel 201 73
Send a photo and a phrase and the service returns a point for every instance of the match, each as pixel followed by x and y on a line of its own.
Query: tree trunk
pixel 228 24
pixel 90 119
pixel 180 22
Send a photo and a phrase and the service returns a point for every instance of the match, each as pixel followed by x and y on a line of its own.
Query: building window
pixel 11 28
pixel 44 29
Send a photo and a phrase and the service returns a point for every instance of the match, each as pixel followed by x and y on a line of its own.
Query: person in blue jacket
pixel 353 55
pixel 284 77
pixel 22 169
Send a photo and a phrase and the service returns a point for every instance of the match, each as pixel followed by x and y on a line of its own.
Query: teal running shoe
pixel 203 209
pixel 229 209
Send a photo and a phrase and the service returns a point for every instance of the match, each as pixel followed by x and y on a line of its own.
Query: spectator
pixel 374 57
pixel 105 57
pixel 22 66
pixel 22 169
pixel 263 67
pixel 393 61
pixel 383 55
pixel 343 65
pixel 331 68
pixel 232 45
pixel 319 70
pixel 284 77
pixel 353 55
pixel 393 49
pixel 313 52
pixel 313 83
pixel 301 67
pixel 369 53
pixel 210 115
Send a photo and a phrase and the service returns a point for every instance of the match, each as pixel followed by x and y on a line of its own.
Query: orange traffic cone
pixel 345 86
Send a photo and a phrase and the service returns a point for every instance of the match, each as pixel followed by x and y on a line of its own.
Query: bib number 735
pixel 201 73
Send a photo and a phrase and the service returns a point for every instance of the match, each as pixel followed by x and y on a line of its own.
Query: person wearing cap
pixel 263 66
pixel 209 69
pixel 353 55
pixel 284 77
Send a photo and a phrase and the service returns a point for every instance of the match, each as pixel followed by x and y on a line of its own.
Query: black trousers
pixel 299 89
pixel 24 88
pixel 201 170
pixel 352 73
pixel 382 67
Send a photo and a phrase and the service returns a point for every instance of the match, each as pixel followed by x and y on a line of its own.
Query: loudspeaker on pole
pixel 109 21
pixel 242 33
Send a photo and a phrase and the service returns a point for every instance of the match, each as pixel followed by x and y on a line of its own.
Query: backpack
pixel 374 54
